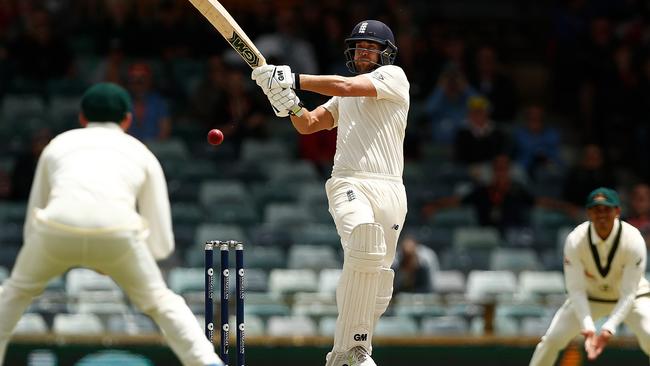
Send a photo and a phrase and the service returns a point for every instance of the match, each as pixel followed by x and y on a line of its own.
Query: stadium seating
pixel 295 325
pixel 80 324
pixel 290 281
pixel 444 326
pixel 312 257
pixel 31 323
pixel 485 285
pixel 396 326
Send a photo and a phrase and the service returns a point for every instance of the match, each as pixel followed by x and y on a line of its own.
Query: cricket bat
pixel 219 17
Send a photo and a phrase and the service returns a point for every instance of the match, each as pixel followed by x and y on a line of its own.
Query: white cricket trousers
pixel 365 198
pixel 565 326
pixel 51 249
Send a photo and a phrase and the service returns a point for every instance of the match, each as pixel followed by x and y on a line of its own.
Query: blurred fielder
pixel 366 196
pixel 604 264
pixel 99 200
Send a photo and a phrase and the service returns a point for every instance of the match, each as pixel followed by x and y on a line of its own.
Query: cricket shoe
pixel 357 356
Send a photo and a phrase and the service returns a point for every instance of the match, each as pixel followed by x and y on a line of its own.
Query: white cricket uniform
pixel 99 200
pixel 366 183
pixel 366 188
pixel 603 278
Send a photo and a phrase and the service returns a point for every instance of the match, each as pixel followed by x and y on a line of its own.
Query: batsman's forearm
pixel 330 85
pixel 304 123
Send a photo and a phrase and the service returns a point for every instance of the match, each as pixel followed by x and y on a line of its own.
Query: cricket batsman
pixel 367 199
pixel 604 264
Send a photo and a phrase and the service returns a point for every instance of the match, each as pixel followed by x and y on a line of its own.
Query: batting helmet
pixel 373 31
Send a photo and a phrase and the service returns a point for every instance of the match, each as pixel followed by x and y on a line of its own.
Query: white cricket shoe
pixel 357 356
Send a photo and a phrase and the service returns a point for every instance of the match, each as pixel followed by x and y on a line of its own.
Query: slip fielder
pixel 367 199
pixel 604 264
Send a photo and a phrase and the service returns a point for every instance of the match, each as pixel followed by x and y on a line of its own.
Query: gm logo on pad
pixel 361 337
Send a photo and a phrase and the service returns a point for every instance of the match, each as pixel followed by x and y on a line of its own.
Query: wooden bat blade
pixel 223 22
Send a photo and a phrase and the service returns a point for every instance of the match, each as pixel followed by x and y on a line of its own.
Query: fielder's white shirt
pixel 618 277
pixel 371 130
pixel 99 178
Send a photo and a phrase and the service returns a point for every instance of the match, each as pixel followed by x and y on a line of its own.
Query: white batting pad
pixel 356 294
pixel 384 292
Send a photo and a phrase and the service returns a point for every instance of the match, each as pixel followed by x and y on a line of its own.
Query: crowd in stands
pixel 515 114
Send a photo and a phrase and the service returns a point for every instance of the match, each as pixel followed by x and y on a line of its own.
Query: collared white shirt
pixel 371 130
pixel 618 281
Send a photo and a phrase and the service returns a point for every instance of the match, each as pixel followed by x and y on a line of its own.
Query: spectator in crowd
pixel 590 173
pixel 114 67
pixel 40 54
pixel 208 103
pixel 490 81
pixel 415 266
pixel 536 145
pixel 480 140
pixel 286 46
pixel 639 209
pixel 502 202
pixel 151 118
pixel 25 166
pixel 319 148
pixel 222 101
pixel 447 105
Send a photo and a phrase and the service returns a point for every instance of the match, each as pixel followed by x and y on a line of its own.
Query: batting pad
pixel 384 292
pixel 356 294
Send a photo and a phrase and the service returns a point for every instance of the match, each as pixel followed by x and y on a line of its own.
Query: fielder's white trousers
pixel 565 326
pixel 50 249
pixel 364 198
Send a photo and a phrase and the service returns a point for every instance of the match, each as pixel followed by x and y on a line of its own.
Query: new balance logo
pixel 280 75
pixel 361 337
pixel 362 28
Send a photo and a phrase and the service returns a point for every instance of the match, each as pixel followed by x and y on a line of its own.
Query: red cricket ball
pixel 215 137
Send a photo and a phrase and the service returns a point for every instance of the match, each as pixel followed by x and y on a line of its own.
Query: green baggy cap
pixel 105 102
pixel 604 197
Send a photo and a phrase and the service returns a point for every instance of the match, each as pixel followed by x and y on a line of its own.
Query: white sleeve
pixel 633 270
pixel 153 206
pixel 40 191
pixel 391 83
pixel 332 105
pixel 574 278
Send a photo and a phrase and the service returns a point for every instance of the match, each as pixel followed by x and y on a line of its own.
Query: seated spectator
pixel 588 174
pixel 496 86
pixel 222 101
pixel 319 148
pixel 480 140
pixel 447 104
pixel 151 118
pixel 639 209
pixel 503 202
pixel 536 145
pixel 414 266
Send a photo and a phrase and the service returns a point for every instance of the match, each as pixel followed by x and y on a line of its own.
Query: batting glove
pixel 270 77
pixel 285 102
pixel 262 75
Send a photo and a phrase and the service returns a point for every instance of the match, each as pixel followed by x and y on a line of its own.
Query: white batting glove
pixel 282 77
pixel 261 75
pixel 270 77
pixel 284 102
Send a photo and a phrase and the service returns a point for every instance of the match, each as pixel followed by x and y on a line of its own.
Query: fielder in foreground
pixel 82 213
pixel 366 196
pixel 604 264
